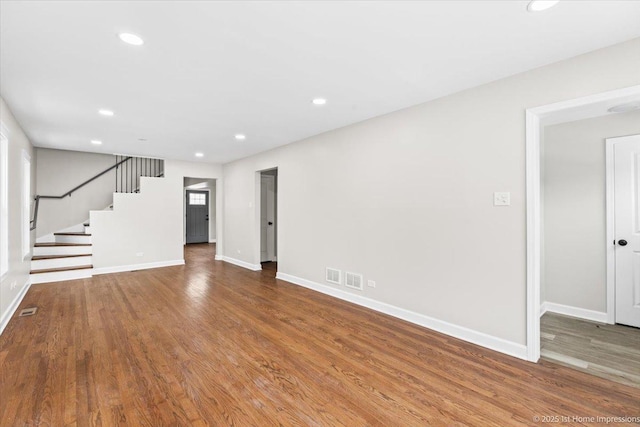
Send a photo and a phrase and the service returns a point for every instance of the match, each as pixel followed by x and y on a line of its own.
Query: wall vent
pixel 334 276
pixel 28 312
pixel 353 280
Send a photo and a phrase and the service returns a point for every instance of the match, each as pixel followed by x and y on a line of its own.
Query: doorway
pixel 576 250
pixel 199 211
pixel 536 119
pixel 197 217
pixel 268 216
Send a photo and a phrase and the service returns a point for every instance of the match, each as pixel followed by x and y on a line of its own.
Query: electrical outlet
pixel 371 283
pixel 139 253
pixel 13 285
pixel 238 250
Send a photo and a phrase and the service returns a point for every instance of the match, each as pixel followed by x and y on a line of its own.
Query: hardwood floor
pixel 271 268
pixel 608 351
pixel 210 343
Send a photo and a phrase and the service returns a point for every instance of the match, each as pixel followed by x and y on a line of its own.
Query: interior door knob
pixel 622 242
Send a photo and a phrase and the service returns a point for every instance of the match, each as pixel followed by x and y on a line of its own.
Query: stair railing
pixel 129 169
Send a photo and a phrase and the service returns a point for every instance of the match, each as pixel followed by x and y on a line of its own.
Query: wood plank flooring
pixel 213 344
pixel 609 351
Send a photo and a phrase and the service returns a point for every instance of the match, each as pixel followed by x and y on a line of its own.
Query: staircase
pixel 68 257
pixel 67 254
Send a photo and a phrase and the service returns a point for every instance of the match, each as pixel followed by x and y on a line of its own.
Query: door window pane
pixel 197 199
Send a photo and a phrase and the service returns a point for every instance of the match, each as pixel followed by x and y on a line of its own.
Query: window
pixel 197 199
pixel 26 204
pixel 4 205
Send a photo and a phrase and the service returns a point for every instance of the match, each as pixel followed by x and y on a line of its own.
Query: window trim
pixel 4 201
pixel 25 178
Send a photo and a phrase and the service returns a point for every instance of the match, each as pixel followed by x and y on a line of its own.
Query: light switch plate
pixel 501 199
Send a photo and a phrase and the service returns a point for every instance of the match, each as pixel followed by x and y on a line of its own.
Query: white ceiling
pixel 209 70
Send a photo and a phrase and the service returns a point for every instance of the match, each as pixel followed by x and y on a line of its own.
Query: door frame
pixel 257 212
pixel 217 218
pixel 186 208
pixel 574 109
pixel 271 252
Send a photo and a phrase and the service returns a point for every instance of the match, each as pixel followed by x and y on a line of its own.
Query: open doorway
pixel 574 322
pixel 571 240
pixel 199 225
pixel 269 219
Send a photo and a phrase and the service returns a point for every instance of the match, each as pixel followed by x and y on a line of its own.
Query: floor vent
pixel 28 312
pixel 353 280
pixel 333 276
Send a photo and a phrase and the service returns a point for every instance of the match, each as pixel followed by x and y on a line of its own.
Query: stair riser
pixel 60 276
pixel 44 264
pixel 73 239
pixel 62 250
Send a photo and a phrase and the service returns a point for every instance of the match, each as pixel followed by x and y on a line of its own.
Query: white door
pixel 267 218
pixel 627 229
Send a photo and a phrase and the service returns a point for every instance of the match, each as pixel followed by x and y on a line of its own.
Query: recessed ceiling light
pixel 199 155
pixel 625 108
pixel 240 137
pixel 106 112
pixel 96 142
pixel 131 39
pixel 540 5
pixel 319 101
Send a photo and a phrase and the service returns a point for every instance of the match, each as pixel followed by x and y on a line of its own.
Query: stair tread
pixel 72 234
pixel 54 270
pixel 48 244
pixel 41 257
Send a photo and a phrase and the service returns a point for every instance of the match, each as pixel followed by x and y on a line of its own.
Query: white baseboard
pixel 567 310
pixel 247 265
pixel 8 314
pixel 219 258
pixel 466 334
pixel 132 267
pixel 212 241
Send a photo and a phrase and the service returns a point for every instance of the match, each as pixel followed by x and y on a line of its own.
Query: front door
pixel 197 216
pixel 627 229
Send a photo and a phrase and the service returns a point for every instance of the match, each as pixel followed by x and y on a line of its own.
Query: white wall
pixel 574 272
pixel 58 172
pixel 146 229
pixel 406 198
pixel 15 283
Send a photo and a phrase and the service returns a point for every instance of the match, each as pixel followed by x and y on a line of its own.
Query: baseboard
pixel 132 267
pixel 212 241
pixel 7 315
pixel 219 258
pixel 567 310
pixel 244 264
pixel 466 334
